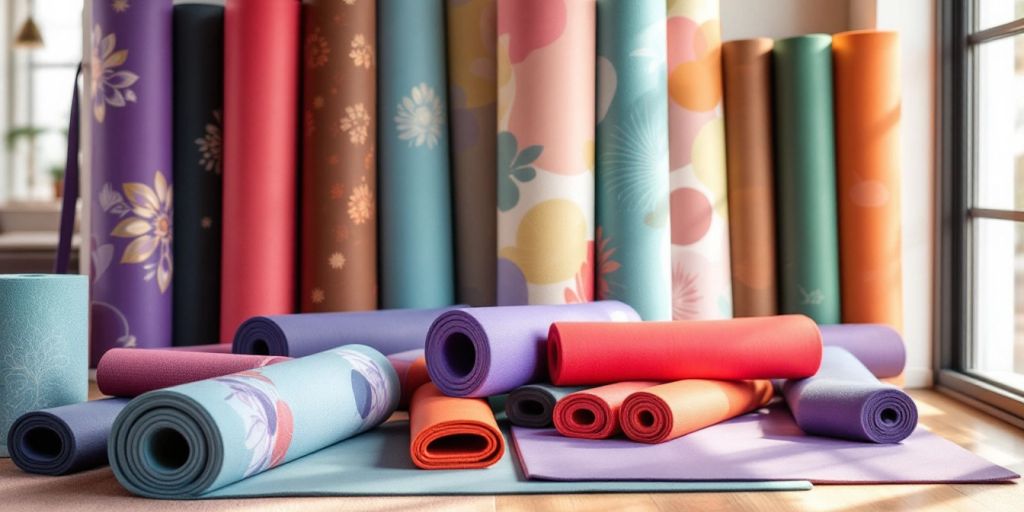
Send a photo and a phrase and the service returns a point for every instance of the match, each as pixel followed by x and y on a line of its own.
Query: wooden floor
pixel 991 438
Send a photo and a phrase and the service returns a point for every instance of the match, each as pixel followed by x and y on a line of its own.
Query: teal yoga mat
pixel 806 178
pixel 44 344
pixel 416 254
pixel 633 245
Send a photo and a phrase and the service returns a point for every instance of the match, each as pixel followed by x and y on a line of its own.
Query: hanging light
pixel 29 36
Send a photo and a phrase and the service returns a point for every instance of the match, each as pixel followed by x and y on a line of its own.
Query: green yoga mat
pixel 806 178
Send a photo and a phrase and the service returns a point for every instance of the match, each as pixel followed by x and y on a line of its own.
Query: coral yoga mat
pixel 452 433
pixel 411 367
pixel 594 413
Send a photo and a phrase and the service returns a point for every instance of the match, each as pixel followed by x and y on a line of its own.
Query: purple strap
pixel 67 214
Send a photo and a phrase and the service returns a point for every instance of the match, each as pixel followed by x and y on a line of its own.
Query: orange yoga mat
pixel 668 411
pixel 867 99
pixel 594 413
pixel 452 433
pixel 414 376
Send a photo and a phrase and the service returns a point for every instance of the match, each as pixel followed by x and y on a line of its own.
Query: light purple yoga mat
pixel 765 445
pixel 878 346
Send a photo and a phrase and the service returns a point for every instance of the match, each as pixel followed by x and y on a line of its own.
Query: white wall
pixel 782 18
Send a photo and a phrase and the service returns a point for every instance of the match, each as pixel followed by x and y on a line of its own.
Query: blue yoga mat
pixel 65 439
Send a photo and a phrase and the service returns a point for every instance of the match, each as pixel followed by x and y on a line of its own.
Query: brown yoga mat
pixel 867 99
pixel 747 74
pixel 452 433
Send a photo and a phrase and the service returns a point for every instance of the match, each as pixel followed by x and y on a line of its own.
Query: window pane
pixel 60 22
pixel 998 349
pixel 991 13
pixel 1000 137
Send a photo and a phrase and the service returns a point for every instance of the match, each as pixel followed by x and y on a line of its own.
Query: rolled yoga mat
pixel 416 262
pixel 806 178
pixel 479 352
pixel 590 353
pixel 261 55
pixel 198 166
pixel 699 205
pixel 452 433
pixel 633 246
pixel 191 439
pixel 66 439
pixel 546 87
pixel 131 177
pixel 129 373
pixel 472 28
pixel 668 411
pixel 878 347
pixel 338 251
pixel 388 330
pixel 44 340
pixel 747 80
pixel 867 88
pixel 594 413
pixel 533 404
pixel 411 367
pixel 845 400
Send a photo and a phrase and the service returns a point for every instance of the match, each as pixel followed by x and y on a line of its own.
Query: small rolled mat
pixel 129 372
pixel 411 367
pixel 742 348
pixel 388 330
pixel 594 413
pixel 64 439
pixel 188 440
pixel 480 352
pixel 671 410
pixel 845 400
pixel 878 347
pixel 533 404
pixel 452 433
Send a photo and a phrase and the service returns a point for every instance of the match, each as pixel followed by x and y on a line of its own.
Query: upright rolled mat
pixel 66 439
pixel 594 413
pixel 532 405
pixel 867 88
pixel 845 400
pixel 261 55
pixel 701 273
pixel 473 95
pixel 582 353
pixel 198 164
pixel 633 247
pixel 130 373
pixel 878 347
pixel 44 340
pixel 338 253
pixel 194 438
pixel 546 87
pixel 665 412
pixel 806 178
pixel 416 261
pixel 480 352
pixel 411 367
pixel 131 201
pixel 387 330
pixel 747 81
pixel 452 433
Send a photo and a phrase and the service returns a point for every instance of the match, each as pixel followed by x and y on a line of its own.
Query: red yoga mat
pixel 594 413
pixel 128 372
pixel 593 353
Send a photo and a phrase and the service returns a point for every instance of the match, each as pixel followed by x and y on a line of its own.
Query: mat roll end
pixel 453 433
pixel 41 443
pixel 260 336
pixel 457 353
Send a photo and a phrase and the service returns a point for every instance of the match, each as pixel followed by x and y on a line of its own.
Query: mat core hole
pixel 530 408
pixel 169 449
pixel 457 443
pixel 42 443
pixel 646 418
pixel 889 416
pixel 583 417
pixel 460 354
pixel 260 347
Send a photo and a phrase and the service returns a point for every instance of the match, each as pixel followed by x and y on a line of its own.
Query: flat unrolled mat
pixel 130 372
pixel 65 439
pixel 879 347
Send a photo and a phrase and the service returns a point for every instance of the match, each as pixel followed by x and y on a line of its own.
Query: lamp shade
pixel 29 36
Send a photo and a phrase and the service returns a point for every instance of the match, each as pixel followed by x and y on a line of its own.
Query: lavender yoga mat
pixel 879 347
pixel 479 352
pixel 65 439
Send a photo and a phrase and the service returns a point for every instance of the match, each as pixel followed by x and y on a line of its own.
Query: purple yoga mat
pixel 764 445
pixel 128 86
pixel 878 346
pixel 479 352
pixel 66 439
pixel 845 400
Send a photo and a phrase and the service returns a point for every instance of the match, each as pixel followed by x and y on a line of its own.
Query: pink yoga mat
pixel 131 372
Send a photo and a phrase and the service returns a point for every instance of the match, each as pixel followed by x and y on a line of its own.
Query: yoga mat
pixel 130 373
pixel 633 245
pixel 762 446
pixel 261 55
pixel 473 96
pixel 698 202
pixel 387 330
pixel 198 165
pixel 416 260
pixel 130 201
pixel 845 400
pixel 545 151
pixel 191 439
pixel 532 405
pixel 878 347
pixel 806 178
pixel 213 348
pixel 338 250
pixel 411 367
pixel 452 433
pixel 594 413
pixel 64 440
pixel 747 81
pixel 479 352
pixel 44 339
pixel 867 88
pixel 589 353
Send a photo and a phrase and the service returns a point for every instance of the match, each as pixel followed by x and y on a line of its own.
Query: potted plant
pixel 57 174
